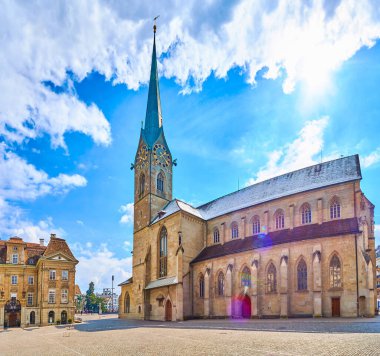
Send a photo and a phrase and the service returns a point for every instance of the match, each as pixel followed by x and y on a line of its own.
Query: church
pixel 298 245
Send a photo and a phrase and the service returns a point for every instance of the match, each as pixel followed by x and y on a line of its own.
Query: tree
pixel 90 297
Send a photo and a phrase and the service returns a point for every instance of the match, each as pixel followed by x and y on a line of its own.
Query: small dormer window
pixel 15 248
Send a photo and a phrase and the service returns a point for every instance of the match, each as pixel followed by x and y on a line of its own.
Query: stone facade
pixel 37 282
pixel 301 244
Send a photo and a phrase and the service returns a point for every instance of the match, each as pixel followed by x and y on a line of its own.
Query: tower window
pixel 141 185
pixel 163 252
pixel 160 183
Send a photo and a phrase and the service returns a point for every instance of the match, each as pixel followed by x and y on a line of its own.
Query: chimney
pixel 42 242
pixel 52 236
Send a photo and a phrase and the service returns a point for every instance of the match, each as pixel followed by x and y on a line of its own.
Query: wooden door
pixel 246 307
pixel 168 311
pixel 12 319
pixel 335 306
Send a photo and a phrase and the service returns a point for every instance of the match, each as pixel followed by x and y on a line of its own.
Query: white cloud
pixel 371 159
pixel 21 181
pixel 107 264
pixel 127 211
pixel 298 154
pixel 63 42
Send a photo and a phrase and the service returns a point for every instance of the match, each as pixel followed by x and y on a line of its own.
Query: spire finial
pixel 154 26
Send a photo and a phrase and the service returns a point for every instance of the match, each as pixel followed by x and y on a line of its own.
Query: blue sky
pixel 247 94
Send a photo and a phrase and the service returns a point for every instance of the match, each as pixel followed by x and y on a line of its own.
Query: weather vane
pixel 154 20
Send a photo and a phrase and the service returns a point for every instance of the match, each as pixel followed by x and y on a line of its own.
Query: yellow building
pixel 301 244
pixel 37 282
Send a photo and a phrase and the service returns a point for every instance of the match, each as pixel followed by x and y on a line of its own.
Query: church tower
pixel 153 160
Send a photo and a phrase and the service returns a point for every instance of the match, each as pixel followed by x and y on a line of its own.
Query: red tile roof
pixel 56 245
pixel 300 233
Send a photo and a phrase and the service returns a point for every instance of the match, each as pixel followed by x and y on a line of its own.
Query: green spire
pixel 153 117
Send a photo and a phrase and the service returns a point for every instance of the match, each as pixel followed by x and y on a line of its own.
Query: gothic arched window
pixel 127 303
pixel 160 182
pixel 256 225
pixel 216 235
pixel 334 208
pixel 305 213
pixel 201 286
pixel 280 219
pixel 234 230
pixel 335 272
pixel 271 279
pixel 141 185
pixel 163 252
pixel 302 275
pixel 220 284
pixel 246 277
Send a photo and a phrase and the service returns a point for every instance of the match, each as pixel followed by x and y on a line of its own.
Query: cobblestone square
pixel 108 335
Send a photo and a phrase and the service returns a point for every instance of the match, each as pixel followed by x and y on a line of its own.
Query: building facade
pixel 37 283
pixel 301 244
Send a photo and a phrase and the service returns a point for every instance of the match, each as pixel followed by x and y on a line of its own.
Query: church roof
pixel 321 175
pixel 337 171
pixel 162 282
pixel 305 232
pixel 153 117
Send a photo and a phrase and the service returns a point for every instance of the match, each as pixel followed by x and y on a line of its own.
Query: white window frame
pixel 15 258
pixel 51 296
pixel 30 280
pixel 52 272
pixel 64 296
pixel 14 280
pixel 30 299
pixel 65 278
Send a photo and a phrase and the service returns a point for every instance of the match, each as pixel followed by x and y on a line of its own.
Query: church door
pixel 13 319
pixel 246 307
pixel 335 306
pixel 168 311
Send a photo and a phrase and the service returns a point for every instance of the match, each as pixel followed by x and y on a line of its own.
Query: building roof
pixel 77 290
pixel 162 282
pixel 337 171
pixel 57 245
pixel 33 251
pixel 174 206
pixel 305 232
pixel 128 281
pixel 321 175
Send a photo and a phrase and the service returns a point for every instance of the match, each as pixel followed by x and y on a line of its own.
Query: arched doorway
pixel 64 317
pixel 168 311
pixel 51 317
pixel 32 318
pixel 246 306
pixel 12 313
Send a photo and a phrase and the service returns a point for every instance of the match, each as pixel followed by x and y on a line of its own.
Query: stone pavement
pixel 107 335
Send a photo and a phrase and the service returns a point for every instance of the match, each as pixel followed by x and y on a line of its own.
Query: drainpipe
pixel 357 277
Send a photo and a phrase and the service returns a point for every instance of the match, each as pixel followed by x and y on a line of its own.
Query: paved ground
pixel 107 335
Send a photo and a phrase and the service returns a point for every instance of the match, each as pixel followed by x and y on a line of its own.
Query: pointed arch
pixel 163 248
pixel 271 278
pixel 301 275
pixel 335 271
pixel 305 211
pixel 216 235
pixel 127 303
pixel 279 218
pixel 256 225
pixel 234 230
pixel 141 185
pixel 201 283
pixel 245 278
pixel 335 208
pixel 160 182
pixel 220 286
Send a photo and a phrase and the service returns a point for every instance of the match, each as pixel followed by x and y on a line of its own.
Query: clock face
pixel 161 156
pixel 142 157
